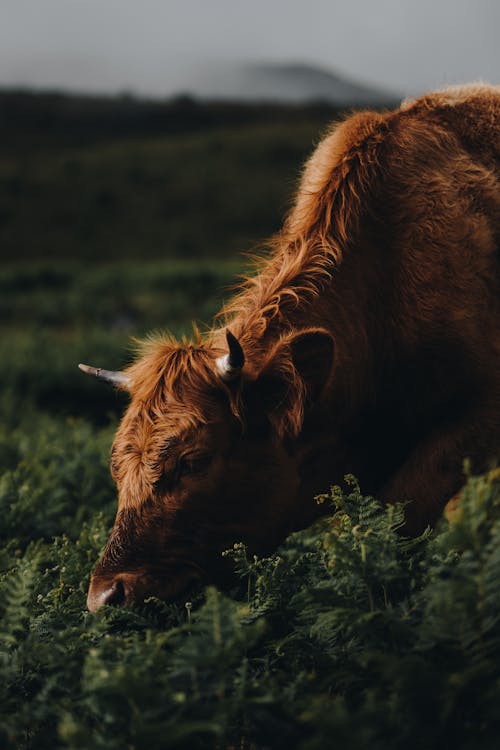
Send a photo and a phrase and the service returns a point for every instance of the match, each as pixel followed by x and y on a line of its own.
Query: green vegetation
pixel 350 636
pixel 194 181
pixel 56 315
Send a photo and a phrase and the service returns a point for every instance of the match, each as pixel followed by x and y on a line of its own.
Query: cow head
pixel 208 453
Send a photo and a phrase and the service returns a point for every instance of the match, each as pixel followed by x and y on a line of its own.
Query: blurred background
pixel 145 146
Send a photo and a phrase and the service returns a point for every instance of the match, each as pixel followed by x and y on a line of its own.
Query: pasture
pixel 350 636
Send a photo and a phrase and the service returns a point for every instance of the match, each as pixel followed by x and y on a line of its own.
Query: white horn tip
pixel 89 370
pixel 119 379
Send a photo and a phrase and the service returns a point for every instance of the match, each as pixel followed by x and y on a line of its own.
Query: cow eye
pixel 191 465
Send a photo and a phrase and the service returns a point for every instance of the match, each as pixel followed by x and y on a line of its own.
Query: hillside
pixel 290 83
pixel 98 178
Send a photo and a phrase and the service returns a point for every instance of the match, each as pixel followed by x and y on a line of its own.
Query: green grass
pixel 205 194
pixel 57 315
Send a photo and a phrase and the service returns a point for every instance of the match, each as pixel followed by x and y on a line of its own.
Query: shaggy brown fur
pixel 372 344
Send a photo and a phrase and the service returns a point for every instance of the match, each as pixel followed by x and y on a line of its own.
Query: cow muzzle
pixel 130 588
pixel 114 592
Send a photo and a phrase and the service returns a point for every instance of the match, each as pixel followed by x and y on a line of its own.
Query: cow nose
pixel 109 592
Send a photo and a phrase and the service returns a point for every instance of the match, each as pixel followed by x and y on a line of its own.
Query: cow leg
pixel 432 475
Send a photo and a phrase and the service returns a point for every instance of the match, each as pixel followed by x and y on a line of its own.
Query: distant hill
pixel 227 96
pixel 292 83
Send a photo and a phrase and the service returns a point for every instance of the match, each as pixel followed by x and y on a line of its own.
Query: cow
pixel 367 342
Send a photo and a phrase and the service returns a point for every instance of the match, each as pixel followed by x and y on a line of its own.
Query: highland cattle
pixel 367 342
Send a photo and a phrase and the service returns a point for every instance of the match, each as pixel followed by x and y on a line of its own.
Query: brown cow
pixel 369 342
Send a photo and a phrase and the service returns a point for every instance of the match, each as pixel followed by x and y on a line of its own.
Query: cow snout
pixel 124 589
pixel 115 592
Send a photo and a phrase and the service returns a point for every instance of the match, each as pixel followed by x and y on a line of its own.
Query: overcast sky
pixel 160 47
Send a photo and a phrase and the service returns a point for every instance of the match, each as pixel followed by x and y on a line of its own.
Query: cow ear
pixel 294 377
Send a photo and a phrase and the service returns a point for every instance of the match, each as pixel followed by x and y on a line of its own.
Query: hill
pixel 292 83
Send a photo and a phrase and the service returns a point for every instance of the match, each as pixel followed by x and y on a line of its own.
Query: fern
pixel 349 631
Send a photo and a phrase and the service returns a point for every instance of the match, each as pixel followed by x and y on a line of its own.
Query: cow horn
pixel 230 365
pixel 109 376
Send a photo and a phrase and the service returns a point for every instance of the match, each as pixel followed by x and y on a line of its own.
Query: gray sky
pixel 161 47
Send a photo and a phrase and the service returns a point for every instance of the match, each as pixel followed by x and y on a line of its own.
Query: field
pixel 350 636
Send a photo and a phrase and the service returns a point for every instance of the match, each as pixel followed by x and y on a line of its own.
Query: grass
pixel 56 315
pixel 207 194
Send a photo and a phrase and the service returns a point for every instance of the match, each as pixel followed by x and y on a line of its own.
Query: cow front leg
pixel 434 472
